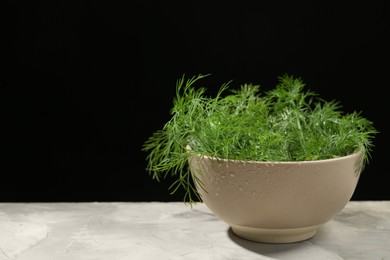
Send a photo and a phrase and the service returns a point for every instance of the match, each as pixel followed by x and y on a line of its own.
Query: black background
pixel 84 83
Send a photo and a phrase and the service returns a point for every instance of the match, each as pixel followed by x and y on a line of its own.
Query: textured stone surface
pixel 156 230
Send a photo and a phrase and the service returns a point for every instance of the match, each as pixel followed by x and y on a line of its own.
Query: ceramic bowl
pixel 276 202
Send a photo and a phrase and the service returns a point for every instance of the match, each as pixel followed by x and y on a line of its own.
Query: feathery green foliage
pixel 284 124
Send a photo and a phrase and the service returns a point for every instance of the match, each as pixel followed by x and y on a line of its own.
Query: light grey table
pixel 160 231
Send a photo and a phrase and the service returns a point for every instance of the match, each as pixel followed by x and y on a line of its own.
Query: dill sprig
pixel 286 123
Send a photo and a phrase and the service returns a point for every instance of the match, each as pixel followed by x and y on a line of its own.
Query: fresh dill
pixel 286 123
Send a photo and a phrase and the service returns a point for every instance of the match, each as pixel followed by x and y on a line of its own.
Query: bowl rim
pixel 357 153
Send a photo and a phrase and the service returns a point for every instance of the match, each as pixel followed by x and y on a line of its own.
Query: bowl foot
pixel 265 235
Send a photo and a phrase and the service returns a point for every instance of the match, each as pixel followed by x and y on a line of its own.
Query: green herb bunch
pixel 286 123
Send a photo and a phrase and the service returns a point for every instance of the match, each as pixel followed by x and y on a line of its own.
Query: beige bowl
pixel 278 202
